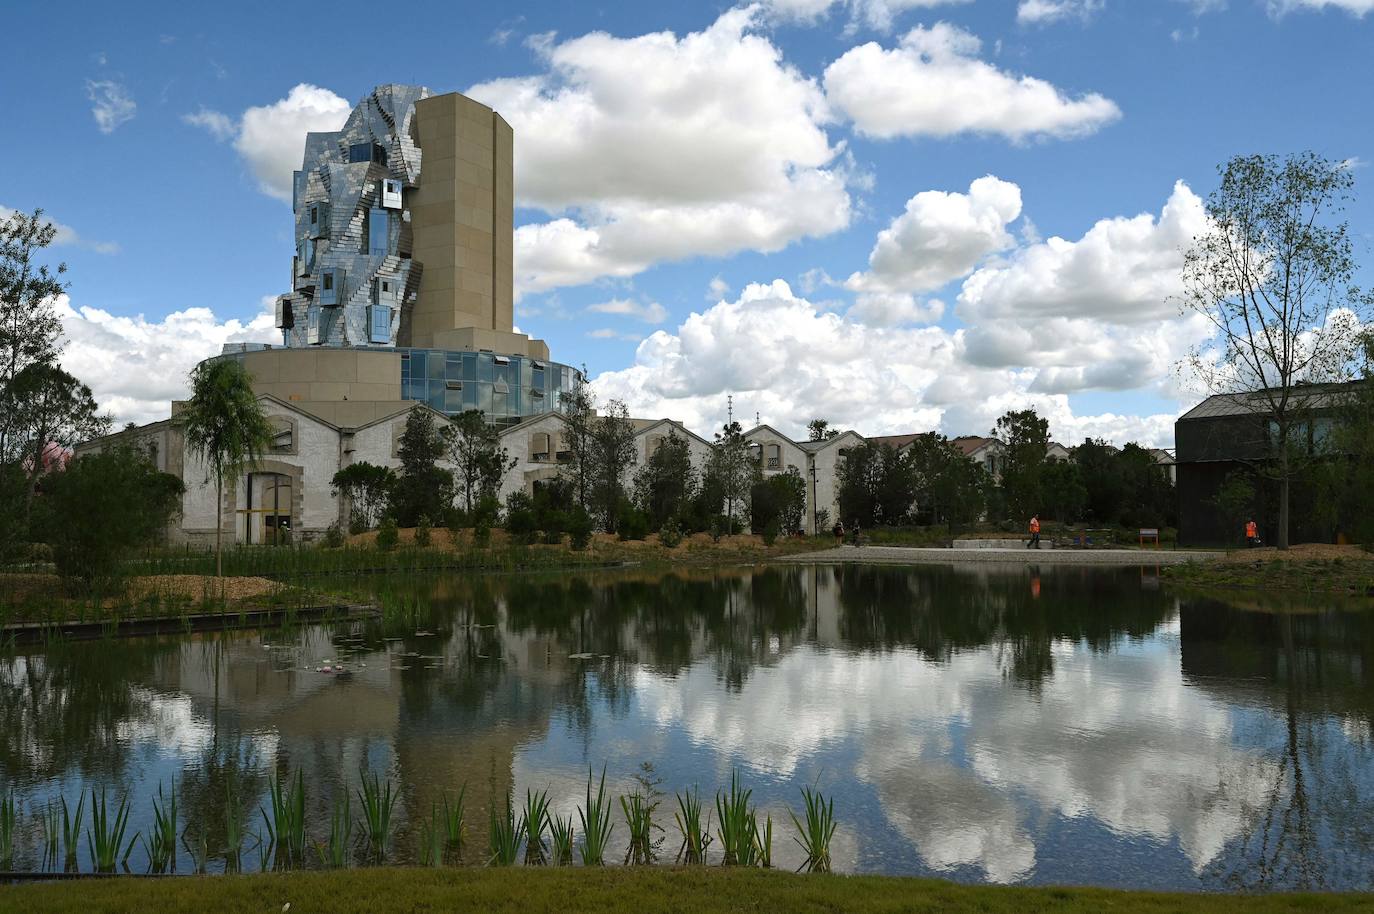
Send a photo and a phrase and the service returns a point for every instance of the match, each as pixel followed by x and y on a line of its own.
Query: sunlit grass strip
pixel 561 833
pixel 534 822
pixel 334 853
pixel 161 843
pixel 378 804
pixel 455 825
pixel 286 824
pixel 503 841
pixel 105 837
pixel 814 836
pixel 696 836
pixel 596 823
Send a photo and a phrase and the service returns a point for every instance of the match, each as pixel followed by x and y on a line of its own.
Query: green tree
pixel 100 508
pixel 612 454
pixel 1148 495
pixel 730 470
pixel 474 447
pixel 820 430
pixel 224 427
pixel 579 411
pixel 1064 495
pixel 1273 276
pixel 876 485
pixel 1344 480
pixel 947 486
pixel 778 502
pixel 1025 437
pixel 1235 500
pixel 47 411
pixel 29 328
pixel 1101 477
pixel 367 487
pixel 423 488
pixel 667 482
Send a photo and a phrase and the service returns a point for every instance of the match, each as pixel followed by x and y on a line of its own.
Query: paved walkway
pixel 911 555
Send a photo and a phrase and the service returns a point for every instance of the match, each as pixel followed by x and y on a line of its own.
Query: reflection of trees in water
pixel 939 611
pixel 1309 672
pixel 65 708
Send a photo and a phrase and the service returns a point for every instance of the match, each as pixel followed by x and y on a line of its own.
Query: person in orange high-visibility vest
pixel 1034 532
pixel 1251 533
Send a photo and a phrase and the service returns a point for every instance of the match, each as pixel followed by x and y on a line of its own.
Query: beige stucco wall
pixel 827 461
pixel 462 219
pixel 325 374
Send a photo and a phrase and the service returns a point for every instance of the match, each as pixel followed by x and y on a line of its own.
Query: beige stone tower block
pixel 463 219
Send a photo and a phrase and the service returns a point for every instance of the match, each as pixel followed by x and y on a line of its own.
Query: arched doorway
pixel 267 515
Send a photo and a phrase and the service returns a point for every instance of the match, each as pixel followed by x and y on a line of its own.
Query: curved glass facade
pixel 507 388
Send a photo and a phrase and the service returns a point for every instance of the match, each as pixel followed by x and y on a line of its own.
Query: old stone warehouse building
pixel 402 299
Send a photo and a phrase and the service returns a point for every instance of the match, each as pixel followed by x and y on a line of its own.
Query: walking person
pixel 1034 542
pixel 838 530
pixel 1251 533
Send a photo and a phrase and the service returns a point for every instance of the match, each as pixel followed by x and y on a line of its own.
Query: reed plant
pixel 561 833
pixel 432 839
pixel 639 819
pixel 198 847
pixel 455 826
pixel 737 825
pixel 596 823
pixel 52 836
pixel 763 841
pixel 814 835
pixel 286 824
pixel 503 841
pixel 161 843
pixel 105 837
pixel 334 853
pixel 534 822
pixel 233 830
pixel 9 817
pixel 71 831
pixel 379 802
pixel 696 835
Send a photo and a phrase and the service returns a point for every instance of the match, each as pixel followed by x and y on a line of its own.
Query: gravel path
pixel 910 555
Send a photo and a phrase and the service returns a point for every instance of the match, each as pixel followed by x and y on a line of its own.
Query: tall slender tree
pixel 29 328
pixel 612 453
pixel 1273 277
pixel 474 447
pixel 224 426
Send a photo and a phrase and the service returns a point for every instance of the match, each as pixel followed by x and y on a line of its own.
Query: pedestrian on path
pixel 1034 532
pixel 838 530
pixel 1251 533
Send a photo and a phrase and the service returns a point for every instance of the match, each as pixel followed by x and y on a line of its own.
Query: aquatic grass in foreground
pixel 596 823
pixel 9 814
pixel 737 825
pixel 533 823
pixel 334 852
pixel 233 831
pixel 286 825
pixel 71 831
pixel 814 836
pixel 161 843
pixel 432 839
pixel 455 826
pixel 561 832
pixel 378 804
pixel 503 842
pixel 696 836
pixel 105 837
pixel 639 818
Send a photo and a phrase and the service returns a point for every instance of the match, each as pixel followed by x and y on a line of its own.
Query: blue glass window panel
pixel 436 366
pixel 537 379
pixel 453 367
pixel 453 401
pixel 470 396
pixel 436 398
pixel 360 152
pixel 416 390
pixel 380 331
pixel 484 398
pixel 484 366
pixel 499 404
pixel 418 362
pixel 470 365
pixel 378 232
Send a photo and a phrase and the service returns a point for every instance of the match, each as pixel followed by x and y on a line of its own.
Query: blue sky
pixel 674 168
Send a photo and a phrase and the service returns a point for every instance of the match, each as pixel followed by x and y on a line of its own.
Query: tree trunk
pixel 1281 539
pixel 219 525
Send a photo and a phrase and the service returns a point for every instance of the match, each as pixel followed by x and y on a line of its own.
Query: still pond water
pixel 1061 726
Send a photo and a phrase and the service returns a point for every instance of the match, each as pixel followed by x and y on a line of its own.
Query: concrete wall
pixel 462 218
pixel 827 462
pixel 325 374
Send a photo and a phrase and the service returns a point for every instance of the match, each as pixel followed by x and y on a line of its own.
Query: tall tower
pixel 404 227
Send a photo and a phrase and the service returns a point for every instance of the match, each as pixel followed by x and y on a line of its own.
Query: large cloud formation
pixel 661 147
pixel 934 84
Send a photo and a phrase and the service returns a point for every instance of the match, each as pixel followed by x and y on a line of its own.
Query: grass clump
pixel 503 842
pixel 162 837
pixel 596 823
pixel 286 825
pixel 696 835
pixel 455 826
pixel 378 804
pixel 9 816
pixel 737 825
pixel 105 837
pixel 334 853
pixel 814 835
pixel 561 833
pixel 533 823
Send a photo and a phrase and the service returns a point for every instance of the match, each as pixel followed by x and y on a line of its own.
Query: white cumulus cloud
pixel 134 366
pixel 661 147
pixel 271 138
pixel 649 312
pixel 876 14
pixel 933 83
pixel 1357 8
pixel 1036 12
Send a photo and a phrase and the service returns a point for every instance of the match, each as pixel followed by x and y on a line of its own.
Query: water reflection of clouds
pixel 961 759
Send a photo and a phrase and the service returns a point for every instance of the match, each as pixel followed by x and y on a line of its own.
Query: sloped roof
pixel 1255 403
pixel 970 444
pixel 896 442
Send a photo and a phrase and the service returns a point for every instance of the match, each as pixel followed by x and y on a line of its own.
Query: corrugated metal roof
pixel 1255 403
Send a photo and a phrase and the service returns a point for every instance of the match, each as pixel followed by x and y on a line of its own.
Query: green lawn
pixel 634 891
